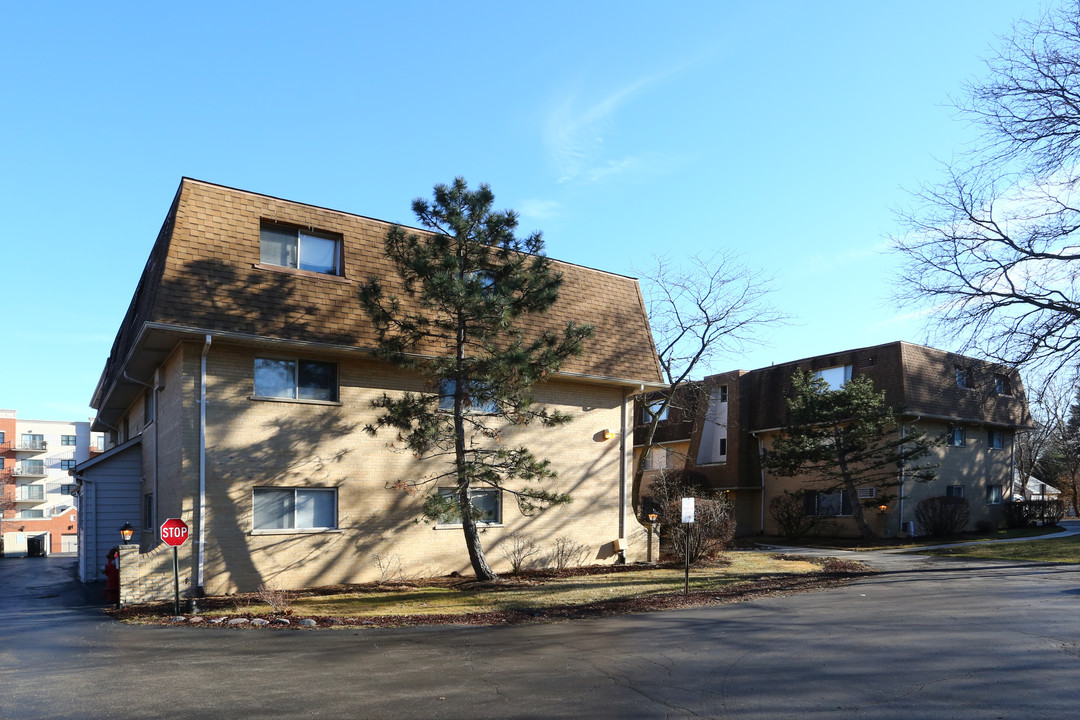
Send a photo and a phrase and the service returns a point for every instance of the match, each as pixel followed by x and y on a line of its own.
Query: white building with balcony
pixel 39 511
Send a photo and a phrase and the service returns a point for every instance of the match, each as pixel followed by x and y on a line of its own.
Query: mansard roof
pixel 204 275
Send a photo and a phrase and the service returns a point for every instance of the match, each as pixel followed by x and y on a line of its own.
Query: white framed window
pixel 477 398
pixel 656 410
pixel 963 378
pixel 995 439
pixel 956 491
pixel 723 393
pixel 827 504
pixel 1002 385
pixel 296 379
pixel 994 494
pixel 31 514
pixel 834 377
pixel 956 436
pixel 294 508
pixel 488 501
pixel 290 247
pixel 68 439
pixel 658 459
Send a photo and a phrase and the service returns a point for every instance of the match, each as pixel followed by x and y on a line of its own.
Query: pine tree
pixel 841 439
pixel 467 286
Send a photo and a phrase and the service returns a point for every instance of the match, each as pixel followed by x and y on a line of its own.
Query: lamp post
pixel 652 529
pixel 126 532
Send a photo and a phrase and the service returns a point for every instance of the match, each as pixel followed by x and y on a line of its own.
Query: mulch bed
pixel 834 573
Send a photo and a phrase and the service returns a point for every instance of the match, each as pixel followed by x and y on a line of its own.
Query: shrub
pixel 391 567
pixel 280 600
pixel 518 548
pixel 567 552
pixel 942 516
pixel 1016 515
pixel 789 512
pixel 714 518
pixel 1034 512
pixel 1046 512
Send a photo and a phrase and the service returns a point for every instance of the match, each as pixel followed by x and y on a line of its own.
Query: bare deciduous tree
pixel 992 251
pixel 706 308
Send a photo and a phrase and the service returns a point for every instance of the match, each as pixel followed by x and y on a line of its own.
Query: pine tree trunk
pixel 468 525
pixel 853 498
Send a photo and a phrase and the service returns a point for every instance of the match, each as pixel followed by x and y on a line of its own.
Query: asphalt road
pixel 927 639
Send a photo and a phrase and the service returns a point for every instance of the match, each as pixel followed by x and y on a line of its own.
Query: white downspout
pixel 623 439
pixel 903 475
pixel 202 463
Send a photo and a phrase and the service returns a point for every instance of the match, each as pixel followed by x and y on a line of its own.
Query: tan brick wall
pixel 259 443
pixel 975 466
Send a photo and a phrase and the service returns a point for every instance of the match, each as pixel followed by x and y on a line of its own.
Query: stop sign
pixel 174 532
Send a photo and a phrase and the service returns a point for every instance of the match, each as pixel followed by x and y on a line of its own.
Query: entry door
pixel 69 543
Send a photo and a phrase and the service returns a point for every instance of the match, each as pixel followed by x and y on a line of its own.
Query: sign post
pixel 174 533
pixel 688 520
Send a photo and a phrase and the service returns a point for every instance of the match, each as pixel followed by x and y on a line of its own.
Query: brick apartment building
pixel 719 432
pixel 239 384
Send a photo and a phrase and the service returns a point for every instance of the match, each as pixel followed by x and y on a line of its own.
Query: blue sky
pixel 787 131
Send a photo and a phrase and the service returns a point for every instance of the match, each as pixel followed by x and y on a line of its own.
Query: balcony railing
pixel 29 469
pixel 23 445
pixel 30 493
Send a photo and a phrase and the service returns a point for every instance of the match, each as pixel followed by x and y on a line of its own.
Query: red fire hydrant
pixel 112 577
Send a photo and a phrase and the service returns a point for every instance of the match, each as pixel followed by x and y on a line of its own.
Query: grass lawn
pixel 532 596
pixel 1057 550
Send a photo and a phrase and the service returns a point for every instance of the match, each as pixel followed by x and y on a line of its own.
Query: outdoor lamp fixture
pixel 126 532
pixel 652 528
pixel 882 508
pixel 607 434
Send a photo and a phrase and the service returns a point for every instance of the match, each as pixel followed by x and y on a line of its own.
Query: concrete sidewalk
pixel 908 558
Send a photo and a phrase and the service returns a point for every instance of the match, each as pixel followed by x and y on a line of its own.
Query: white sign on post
pixel 688 510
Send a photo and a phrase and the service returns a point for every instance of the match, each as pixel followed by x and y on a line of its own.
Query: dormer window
pixel 300 249
pixel 1001 385
pixel 963 378
pixel 834 377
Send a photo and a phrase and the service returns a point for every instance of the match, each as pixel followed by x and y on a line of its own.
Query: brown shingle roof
pixel 204 273
pixel 920 380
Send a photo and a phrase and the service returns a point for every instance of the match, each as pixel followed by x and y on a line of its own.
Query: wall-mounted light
pixel 882 508
pixel 607 434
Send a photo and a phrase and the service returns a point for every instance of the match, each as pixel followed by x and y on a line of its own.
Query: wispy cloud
pixel 822 263
pixel 538 209
pixel 576 131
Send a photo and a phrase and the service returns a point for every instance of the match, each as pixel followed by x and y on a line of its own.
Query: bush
pixel 1047 513
pixel 518 548
pixel 789 512
pixel 567 552
pixel 714 517
pixel 942 516
pixel 1034 512
pixel 1016 515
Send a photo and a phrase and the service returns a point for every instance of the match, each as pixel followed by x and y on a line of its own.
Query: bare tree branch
pixel 990 254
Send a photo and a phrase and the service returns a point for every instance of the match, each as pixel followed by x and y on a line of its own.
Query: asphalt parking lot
pixel 928 638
